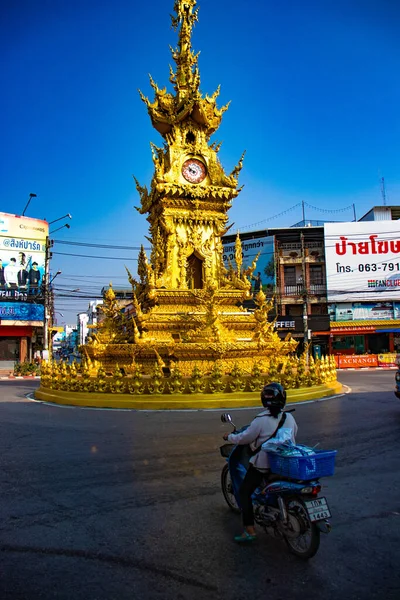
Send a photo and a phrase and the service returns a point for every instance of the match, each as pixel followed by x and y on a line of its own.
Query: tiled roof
pixel 374 322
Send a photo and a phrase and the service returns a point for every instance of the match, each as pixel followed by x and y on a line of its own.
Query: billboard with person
pixel 22 258
pixel 264 273
pixel 362 261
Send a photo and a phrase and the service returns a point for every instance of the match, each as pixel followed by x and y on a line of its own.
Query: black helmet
pixel 273 396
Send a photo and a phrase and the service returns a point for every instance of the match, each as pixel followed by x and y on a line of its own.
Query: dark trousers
pixel 252 480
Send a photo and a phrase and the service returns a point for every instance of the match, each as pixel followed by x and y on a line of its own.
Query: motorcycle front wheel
pixel 227 490
pixel 301 535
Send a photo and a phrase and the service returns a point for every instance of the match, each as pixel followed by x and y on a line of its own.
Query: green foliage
pixel 26 368
pixel 269 269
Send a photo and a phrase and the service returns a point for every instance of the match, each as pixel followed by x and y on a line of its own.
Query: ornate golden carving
pixel 186 329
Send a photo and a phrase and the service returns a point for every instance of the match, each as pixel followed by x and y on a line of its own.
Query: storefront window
pixel 378 343
pixel 350 344
pixel 396 341
pixel 9 348
pixel 343 343
pixel 359 344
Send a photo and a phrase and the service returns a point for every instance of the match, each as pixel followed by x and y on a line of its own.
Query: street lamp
pixel 68 216
pixel 62 226
pixel 53 278
pixel 57 312
pixel 46 284
pixel 27 204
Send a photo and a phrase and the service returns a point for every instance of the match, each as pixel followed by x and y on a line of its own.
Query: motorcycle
pixel 287 504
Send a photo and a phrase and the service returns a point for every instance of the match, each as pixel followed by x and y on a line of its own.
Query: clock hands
pixel 193 170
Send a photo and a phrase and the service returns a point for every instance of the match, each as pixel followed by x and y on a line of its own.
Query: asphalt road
pixel 104 505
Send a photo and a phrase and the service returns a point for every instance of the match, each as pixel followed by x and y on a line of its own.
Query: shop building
pixel 292 267
pixel 22 269
pixel 363 287
pixel 337 285
pixel 300 289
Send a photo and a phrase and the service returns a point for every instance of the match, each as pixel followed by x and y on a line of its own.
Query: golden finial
pixel 238 254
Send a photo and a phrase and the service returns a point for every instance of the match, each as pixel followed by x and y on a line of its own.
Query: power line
pixel 87 244
pixel 330 210
pixel 91 256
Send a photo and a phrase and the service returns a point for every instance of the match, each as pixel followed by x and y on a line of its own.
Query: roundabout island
pixel 193 336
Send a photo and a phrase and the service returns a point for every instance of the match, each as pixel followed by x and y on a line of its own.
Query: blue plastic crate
pixel 320 464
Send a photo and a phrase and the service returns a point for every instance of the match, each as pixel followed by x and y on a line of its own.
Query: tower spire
pixel 169 112
pixel 186 79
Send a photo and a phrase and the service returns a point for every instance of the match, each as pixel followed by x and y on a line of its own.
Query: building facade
pixel 337 285
pixel 22 298
pixel 363 287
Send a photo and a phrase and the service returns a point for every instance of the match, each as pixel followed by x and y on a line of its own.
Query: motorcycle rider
pixel 263 427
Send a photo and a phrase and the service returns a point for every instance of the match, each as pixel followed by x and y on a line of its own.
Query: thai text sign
pixel 21 311
pixel 388 360
pixel 22 258
pixel 359 311
pixel 362 260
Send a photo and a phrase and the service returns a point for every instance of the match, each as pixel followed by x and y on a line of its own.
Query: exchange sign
pixel 22 259
pixel 363 260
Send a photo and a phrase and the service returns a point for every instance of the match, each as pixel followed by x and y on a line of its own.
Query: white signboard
pixel 362 261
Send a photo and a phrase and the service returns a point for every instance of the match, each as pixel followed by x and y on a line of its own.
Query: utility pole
pixel 46 323
pixel 47 292
pixel 383 191
pixel 304 292
pixel 48 300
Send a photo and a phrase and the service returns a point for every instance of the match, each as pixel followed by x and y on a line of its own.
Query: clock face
pixel 194 170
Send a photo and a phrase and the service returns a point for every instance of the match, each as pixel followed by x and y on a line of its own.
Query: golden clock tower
pixel 187 306
pixel 190 194
pixel 187 332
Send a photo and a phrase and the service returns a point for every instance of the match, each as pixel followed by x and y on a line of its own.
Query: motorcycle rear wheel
pixel 227 490
pixel 304 545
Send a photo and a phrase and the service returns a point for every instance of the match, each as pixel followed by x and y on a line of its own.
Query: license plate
pixel 318 509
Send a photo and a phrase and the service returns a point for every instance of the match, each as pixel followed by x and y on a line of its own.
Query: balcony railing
pixel 293 290
pixel 315 289
pixel 295 256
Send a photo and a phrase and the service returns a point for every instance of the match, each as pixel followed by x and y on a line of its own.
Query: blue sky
pixel 315 102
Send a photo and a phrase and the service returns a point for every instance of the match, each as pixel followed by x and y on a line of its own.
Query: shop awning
pixel 365 323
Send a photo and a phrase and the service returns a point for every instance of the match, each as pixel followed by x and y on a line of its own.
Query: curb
pixel 369 369
pixel 177 401
pixel 12 377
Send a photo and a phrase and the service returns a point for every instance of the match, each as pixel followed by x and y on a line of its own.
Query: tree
pixel 269 269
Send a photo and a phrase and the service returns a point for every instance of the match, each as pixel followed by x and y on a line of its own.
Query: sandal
pixel 245 538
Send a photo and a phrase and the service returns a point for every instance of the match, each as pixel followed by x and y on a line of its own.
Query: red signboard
pixel 356 361
pixel 353 330
pixel 14 331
